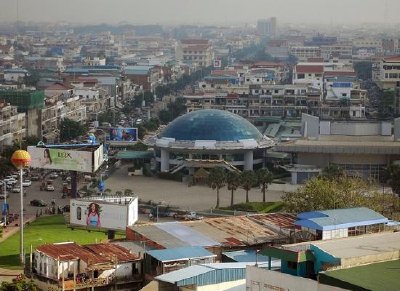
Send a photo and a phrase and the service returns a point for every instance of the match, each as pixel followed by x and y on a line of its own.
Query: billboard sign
pixel 52 158
pixel 123 134
pixel 217 63
pixel 107 213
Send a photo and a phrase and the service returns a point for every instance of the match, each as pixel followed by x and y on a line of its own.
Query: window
pixel 79 213
pixel 300 76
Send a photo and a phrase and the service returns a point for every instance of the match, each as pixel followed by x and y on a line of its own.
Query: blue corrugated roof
pixel 339 218
pixel 246 256
pixel 177 254
pixel 206 274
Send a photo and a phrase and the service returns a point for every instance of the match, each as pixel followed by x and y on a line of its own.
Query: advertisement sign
pixel 123 134
pixel 66 159
pixel 98 213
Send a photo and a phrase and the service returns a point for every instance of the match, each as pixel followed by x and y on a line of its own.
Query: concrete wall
pixel 397 129
pixel 310 126
pixel 231 286
pixel 260 279
pixel 322 160
pixel 365 128
pixel 319 160
pixel 381 257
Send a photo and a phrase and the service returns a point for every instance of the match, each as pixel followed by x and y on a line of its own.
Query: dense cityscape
pixel 212 154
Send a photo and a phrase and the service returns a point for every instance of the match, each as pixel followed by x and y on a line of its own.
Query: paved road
pixel 179 194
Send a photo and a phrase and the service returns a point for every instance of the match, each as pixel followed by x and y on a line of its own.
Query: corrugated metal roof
pixel 111 251
pixel 339 218
pixel 71 251
pixel 246 256
pixel 187 235
pixel 177 254
pixel 206 274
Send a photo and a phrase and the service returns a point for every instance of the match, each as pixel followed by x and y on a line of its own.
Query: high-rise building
pixel 267 27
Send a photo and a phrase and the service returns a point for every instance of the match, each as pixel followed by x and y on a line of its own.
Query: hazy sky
pixel 201 11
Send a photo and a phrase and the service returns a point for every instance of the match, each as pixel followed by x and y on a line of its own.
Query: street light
pixel 5 210
pixel 21 159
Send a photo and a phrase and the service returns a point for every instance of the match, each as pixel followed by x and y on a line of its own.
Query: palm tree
pixel 247 180
pixel 118 193
pixel 128 192
pixel 216 180
pixel 107 191
pixel 233 181
pixel 264 177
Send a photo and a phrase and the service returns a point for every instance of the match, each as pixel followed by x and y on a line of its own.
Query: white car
pixel 11 181
pixel 50 188
pixel 53 175
pixel 26 183
pixel 16 190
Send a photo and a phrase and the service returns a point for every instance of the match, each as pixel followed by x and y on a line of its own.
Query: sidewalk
pixel 12 229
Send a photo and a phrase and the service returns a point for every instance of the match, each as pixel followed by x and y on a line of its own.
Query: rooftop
pixel 339 218
pixel 206 274
pixel 177 254
pixel 309 69
pixel 357 246
pixel 225 126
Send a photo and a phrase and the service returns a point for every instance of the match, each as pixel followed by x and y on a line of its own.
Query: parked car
pixel 37 202
pixel 53 175
pixel 50 188
pixel 26 183
pixel 16 190
pixel 35 178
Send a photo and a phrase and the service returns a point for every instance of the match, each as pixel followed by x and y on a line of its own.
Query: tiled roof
pixel 309 69
pixel 392 59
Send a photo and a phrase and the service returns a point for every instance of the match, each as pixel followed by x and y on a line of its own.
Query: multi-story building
pixel 12 125
pixel 309 74
pixel 267 27
pixel 386 73
pixel 195 52
pixel 56 109
pixel 303 53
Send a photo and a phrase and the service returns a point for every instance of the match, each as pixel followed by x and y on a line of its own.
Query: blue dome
pixel 211 124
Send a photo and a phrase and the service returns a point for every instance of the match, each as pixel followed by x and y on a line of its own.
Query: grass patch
pixel 379 276
pixel 259 207
pixel 47 229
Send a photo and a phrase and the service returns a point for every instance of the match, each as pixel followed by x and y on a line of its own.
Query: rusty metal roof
pixel 112 251
pixel 71 251
pixel 283 220
pixel 91 254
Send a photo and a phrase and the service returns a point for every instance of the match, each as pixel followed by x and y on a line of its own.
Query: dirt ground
pixel 180 194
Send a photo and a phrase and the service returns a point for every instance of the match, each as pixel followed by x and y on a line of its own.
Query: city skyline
pixel 200 12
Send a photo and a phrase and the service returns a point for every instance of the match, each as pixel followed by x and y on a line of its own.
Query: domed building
pixel 208 138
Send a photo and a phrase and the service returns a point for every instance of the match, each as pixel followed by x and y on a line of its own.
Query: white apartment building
pixel 12 125
pixel 309 74
pixel 386 73
pixel 195 52
pixel 303 53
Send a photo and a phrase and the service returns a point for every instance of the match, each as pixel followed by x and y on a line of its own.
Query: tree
pixel 152 124
pixel 332 172
pixel 394 177
pixel 247 180
pixel 118 193
pixel 264 178
pixel 363 70
pixel 165 116
pixel 322 193
pixel 128 192
pixel 386 103
pixel 19 284
pixel 216 180
pixel 70 129
pixel 233 182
